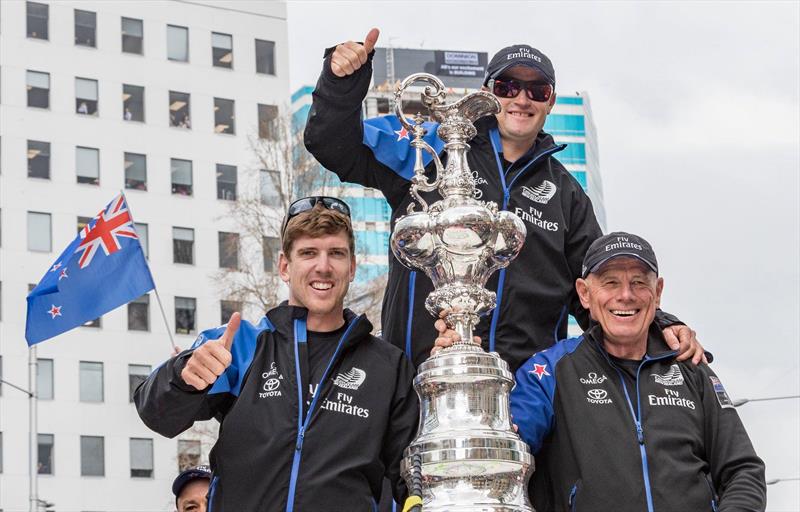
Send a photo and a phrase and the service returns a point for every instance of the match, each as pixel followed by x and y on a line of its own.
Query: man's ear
pixel 283 267
pixel 551 102
pixel 352 267
pixel 582 287
pixel 659 289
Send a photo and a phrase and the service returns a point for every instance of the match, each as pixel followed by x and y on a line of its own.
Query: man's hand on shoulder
pixel 348 57
pixel 684 339
pixel 210 359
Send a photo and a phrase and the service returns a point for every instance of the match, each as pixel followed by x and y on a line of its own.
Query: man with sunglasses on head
pixel 513 164
pixel 314 411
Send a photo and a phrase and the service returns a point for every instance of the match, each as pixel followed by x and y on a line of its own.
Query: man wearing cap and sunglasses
pixel 314 411
pixel 615 422
pixel 512 161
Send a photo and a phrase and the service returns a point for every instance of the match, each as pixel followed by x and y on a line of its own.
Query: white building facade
pixel 162 100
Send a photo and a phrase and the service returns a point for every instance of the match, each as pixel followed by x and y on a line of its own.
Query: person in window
pixel 83 108
pixel 128 114
pixel 314 410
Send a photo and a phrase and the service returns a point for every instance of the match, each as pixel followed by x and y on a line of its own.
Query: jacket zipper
pixel 573 494
pixel 494 134
pixel 302 423
pixel 637 415
pixel 713 494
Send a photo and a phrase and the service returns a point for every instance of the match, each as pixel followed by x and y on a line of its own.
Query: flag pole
pixel 155 290
pixel 164 316
pixel 33 446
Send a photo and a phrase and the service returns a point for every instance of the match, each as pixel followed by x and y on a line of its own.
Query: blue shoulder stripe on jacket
pixel 243 349
pixel 532 397
pixel 390 142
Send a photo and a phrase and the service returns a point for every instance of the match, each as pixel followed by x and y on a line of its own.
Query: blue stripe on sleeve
pixel 243 349
pixel 532 397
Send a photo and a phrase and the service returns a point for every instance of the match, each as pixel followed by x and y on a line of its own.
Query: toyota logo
pixel 597 394
pixel 271 385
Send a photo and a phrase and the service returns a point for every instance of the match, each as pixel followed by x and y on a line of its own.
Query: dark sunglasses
pixel 308 203
pixel 510 88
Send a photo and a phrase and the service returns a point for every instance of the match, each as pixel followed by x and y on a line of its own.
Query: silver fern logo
pixel 350 379
pixel 542 193
pixel 673 377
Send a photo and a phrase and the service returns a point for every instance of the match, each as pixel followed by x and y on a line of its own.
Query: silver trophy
pixel 466 456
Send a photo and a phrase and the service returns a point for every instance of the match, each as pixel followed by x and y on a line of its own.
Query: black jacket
pixel 269 455
pixel 668 439
pixel 537 290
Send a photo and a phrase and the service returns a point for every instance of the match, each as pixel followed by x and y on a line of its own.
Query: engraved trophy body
pixel 466 456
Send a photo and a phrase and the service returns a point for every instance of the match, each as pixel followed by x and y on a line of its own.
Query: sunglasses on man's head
pixel 509 88
pixel 308 203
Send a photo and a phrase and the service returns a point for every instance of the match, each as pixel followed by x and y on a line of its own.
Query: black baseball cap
pixel 187 475
pixel 618 244
pixel 520 55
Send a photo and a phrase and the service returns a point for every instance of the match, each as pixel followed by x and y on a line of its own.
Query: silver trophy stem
pixel 468 454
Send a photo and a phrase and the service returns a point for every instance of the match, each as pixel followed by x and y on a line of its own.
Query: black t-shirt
pixel 628 368
pixel 321 346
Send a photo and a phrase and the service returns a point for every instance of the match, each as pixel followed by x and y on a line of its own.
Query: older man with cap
pixel 191 489
pixel 615 422
pixel 512 160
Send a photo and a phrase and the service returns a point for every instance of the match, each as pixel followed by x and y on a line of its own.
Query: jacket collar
pixel 656 345
pixel 544 141
pixel 283 316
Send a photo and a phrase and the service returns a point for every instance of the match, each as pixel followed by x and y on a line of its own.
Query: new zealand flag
pixel 102 269
pixel 391 143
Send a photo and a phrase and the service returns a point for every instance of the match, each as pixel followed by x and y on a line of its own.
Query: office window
pixel 93 457
pixel 179 109
pixel 39 238
pixel 86 96
pixel 139 314
pixel 265 57
pixel 85 28
pixel 87 165
pixel 142 232
pixel 45 444
pixel 37 19
pixel 267 115
pixel 141 458
pixel 228 250
pixel 91 381
pixel 135 171
pixel 44 379
pixel 185 308
pixel 181 171
pixel 177 43
pixel 183 245
pixel 221 50
pixel 188 453
pixel 132 35
pixel 38 85
pixel 132 103
pixel 270 181
pixel 83 222
pixel 137 373
pixel 224 117
pixel 271 247
pixel 38 159
pixel 226 182
pixel 227 308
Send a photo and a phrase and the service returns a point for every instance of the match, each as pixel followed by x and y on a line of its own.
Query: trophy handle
pixel 433 95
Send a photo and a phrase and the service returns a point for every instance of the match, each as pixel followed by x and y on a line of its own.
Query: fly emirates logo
pixel 534 216
pixel 671 398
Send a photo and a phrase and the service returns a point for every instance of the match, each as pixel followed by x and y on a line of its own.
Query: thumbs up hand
pixel 210 359
pixel 348 57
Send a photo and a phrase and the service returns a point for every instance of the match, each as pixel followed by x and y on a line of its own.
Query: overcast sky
pixel 696 107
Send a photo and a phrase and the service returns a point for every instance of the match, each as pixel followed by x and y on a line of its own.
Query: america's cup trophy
pixel 466 457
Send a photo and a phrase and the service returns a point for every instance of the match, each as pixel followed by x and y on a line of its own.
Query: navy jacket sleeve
pixel 169 406
pixel 582 230
pixel 402 427
pixel 532 400
pixel 334 132
pixel 736 471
